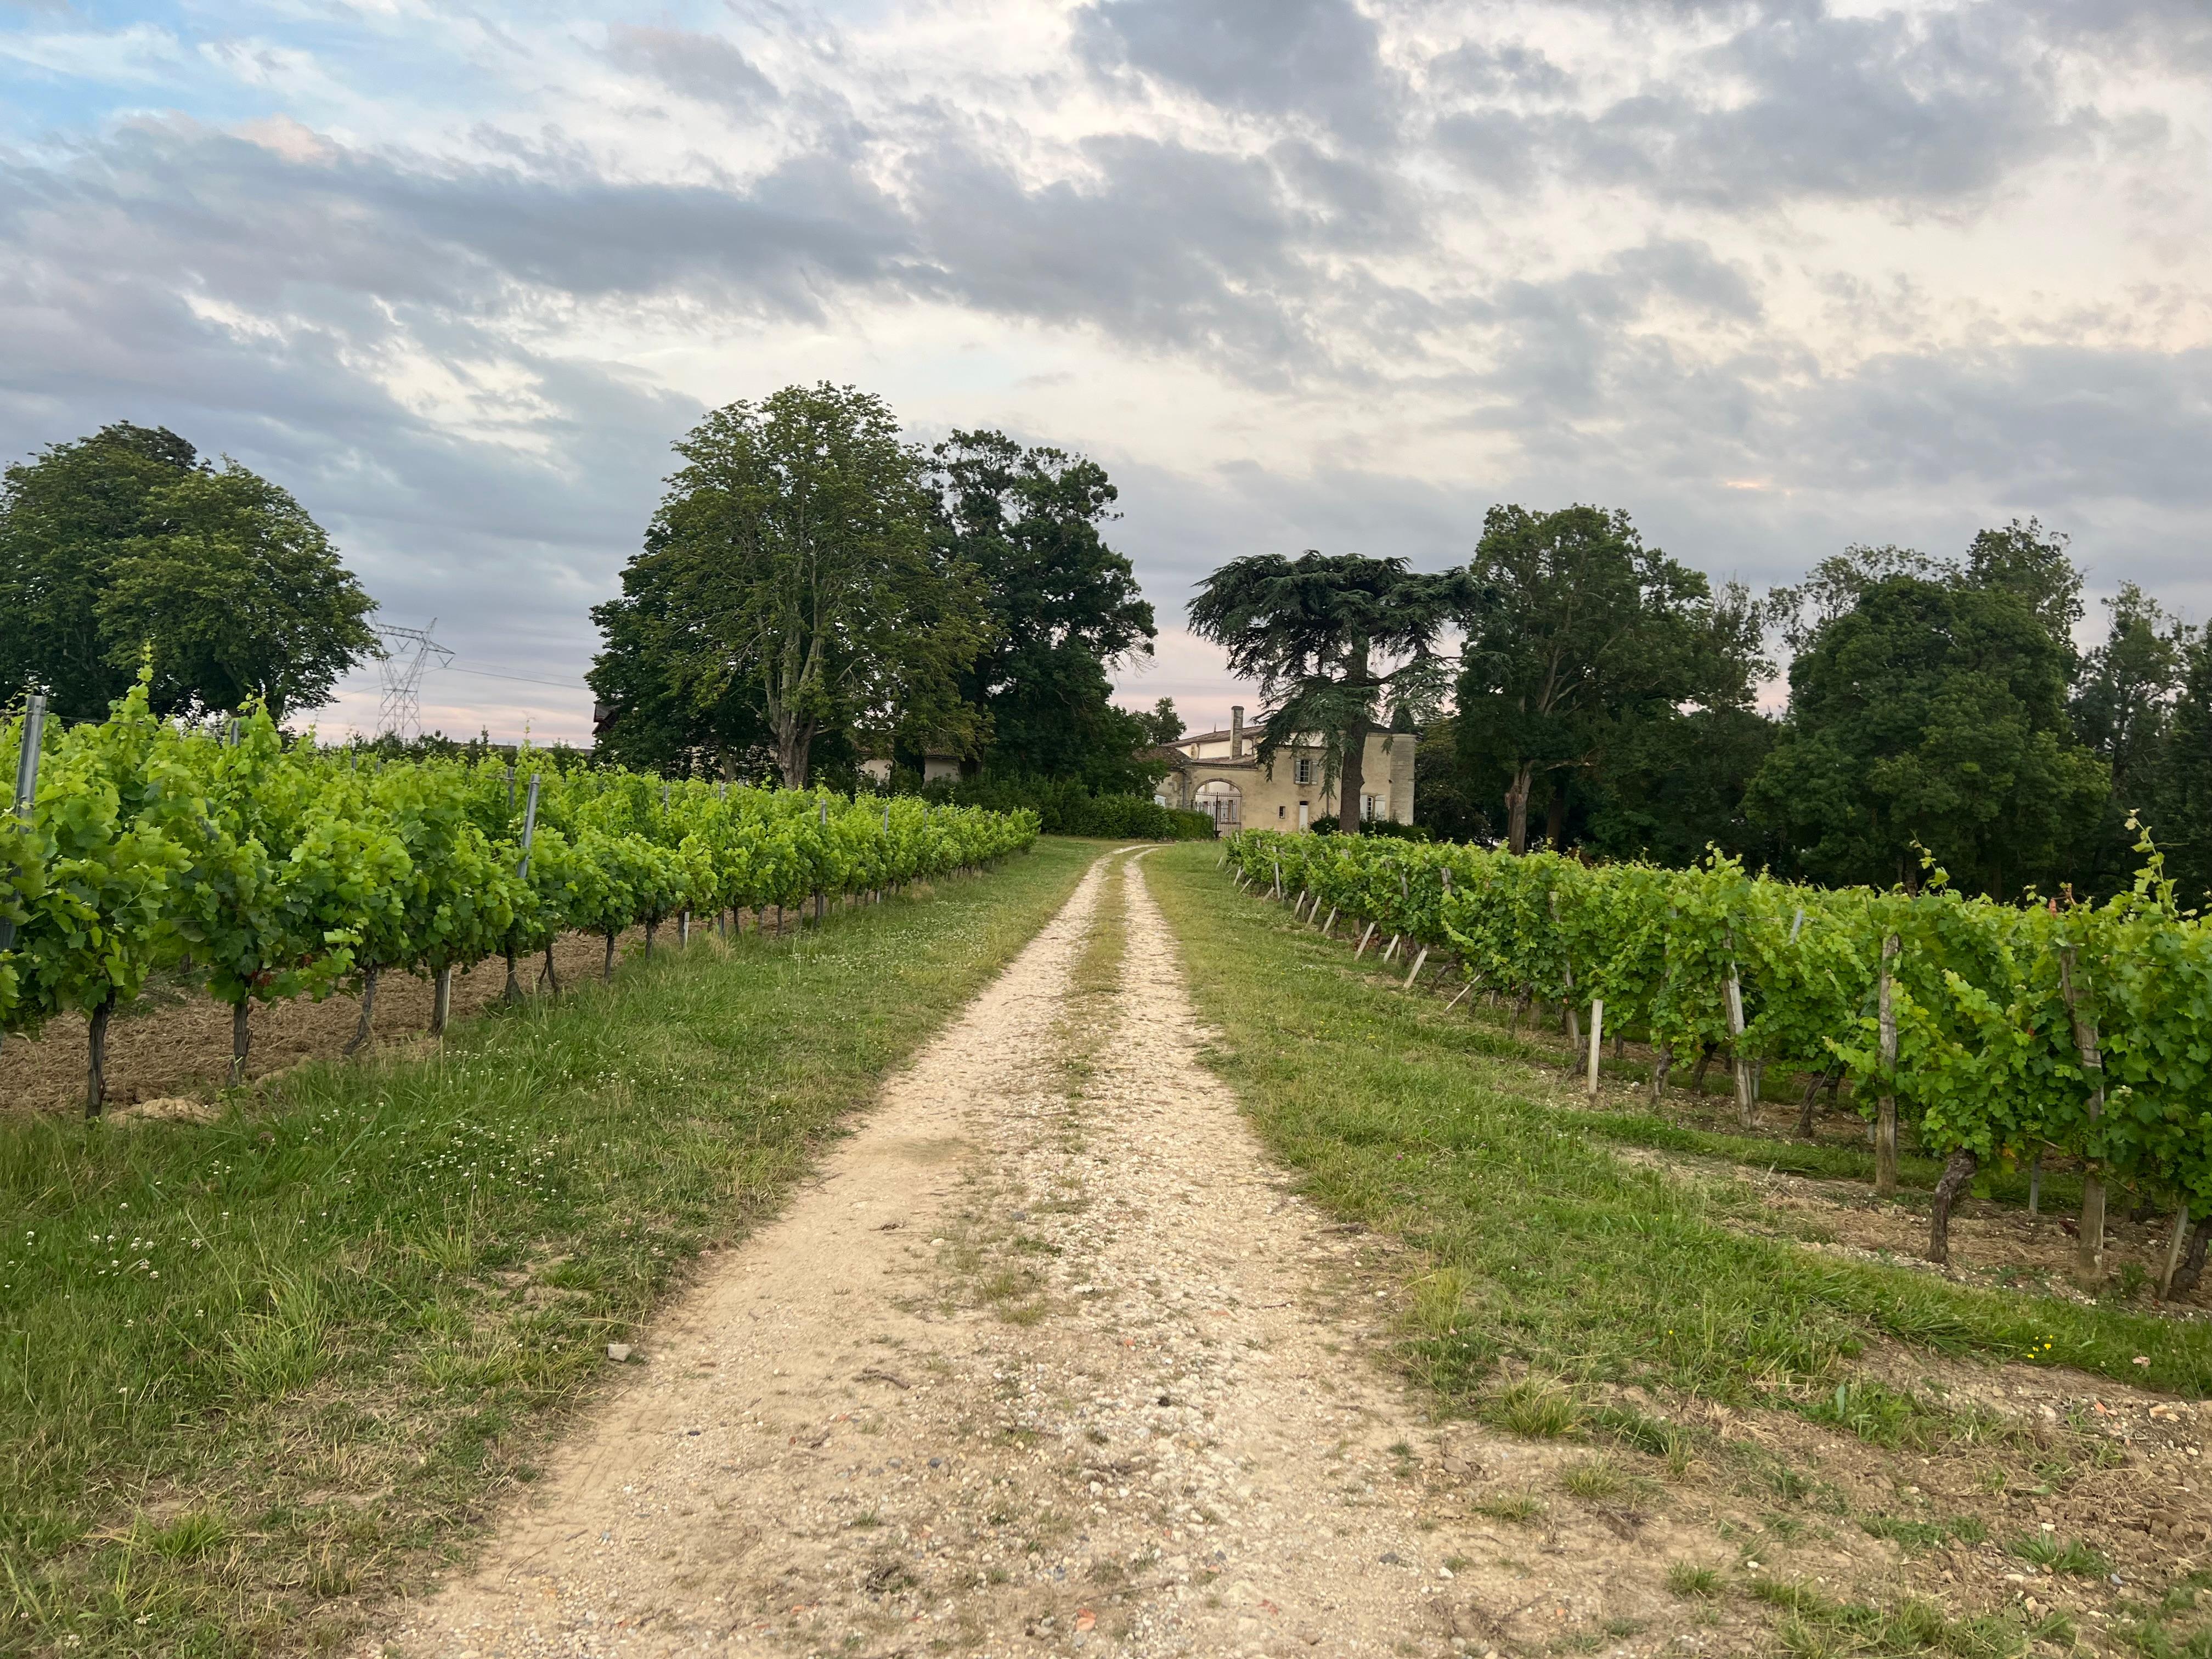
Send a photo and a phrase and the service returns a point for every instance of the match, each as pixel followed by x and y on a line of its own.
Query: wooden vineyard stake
pixel 2089 1246
pixel 1366 934
pixel 1598 1040
pixel 1330 923
pixel 26 784
pixel 1419 961
pixel 1746 1105
pixel 1885 1126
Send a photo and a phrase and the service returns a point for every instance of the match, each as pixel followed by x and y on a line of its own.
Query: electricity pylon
pixel 408 652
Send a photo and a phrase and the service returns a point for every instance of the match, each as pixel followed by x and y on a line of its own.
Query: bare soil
pixel 174 1043
pixel 1992 1244
pixel 1050 1357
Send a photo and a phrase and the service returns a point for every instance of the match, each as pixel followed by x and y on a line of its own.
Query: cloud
pixel 1772 278
pixel 704 67
pixel 1304 61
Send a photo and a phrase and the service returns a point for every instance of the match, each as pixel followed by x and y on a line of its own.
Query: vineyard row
pixel 2002 1033
pixel 278 869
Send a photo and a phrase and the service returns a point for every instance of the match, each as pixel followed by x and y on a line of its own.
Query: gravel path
pixel 1048 1357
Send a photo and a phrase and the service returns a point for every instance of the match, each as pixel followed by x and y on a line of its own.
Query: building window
pixel 1305 773
pixel 1371 806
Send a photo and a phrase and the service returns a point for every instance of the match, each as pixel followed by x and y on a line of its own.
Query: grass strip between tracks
pixel 255 1373
pixel 1544 1245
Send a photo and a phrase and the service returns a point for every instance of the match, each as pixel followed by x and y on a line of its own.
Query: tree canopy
pixel 1337 644
pixel 1931 716
pixel 125 545
pixel 791 560
pixel 1063 609
pixel 1578 635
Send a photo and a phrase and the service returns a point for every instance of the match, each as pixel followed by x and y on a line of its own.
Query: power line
pixel 526 679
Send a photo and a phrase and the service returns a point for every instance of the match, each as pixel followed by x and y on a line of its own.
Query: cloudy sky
pixel 1774 276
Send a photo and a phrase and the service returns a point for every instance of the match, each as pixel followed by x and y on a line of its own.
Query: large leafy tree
pixel 2122 705
pixel 643 679
pixel 1064 607
pixel 124 541
pixel 791 559
pixel 1930 715
pixel 238 597
pixel 1336 643
pixel 1577 633
pixel 2181 818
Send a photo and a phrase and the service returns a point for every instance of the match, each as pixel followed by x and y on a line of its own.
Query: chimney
pixel 1236 731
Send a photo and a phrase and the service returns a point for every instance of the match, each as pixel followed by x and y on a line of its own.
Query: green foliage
pixel 1576 635
pixel 1064 807
pixel 124 544
pixel 348 1312
pixel 1400 1114
pixel 1063 610
pixel 1932 713
pixel 283 871
pixel 790 570
pixel 1987 1061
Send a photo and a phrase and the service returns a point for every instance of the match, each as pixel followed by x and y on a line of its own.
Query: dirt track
pixel 1047 1357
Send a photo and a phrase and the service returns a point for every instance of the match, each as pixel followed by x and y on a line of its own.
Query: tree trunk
pixel 1516 806
pixel 363 1028
pixel 1956 1172
pixel 652 926
pixel 241 1037
pixel 1705 1064
pixel 610 970
pixel 1813 1082
pixel 441 1002
pixel 514 991
pixel 1555 816
pixel 95 1070
pixel 1352 774
pixel 551 979
pixel 794 742
pixel 1660 1067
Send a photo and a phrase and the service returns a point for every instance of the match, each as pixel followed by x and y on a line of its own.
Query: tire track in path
pixel 1048 1357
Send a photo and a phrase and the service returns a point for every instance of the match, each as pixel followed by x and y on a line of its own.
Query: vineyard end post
pixel 27 781
pixel 1597 1039
pixel 1884 1128
pixel 2089 1246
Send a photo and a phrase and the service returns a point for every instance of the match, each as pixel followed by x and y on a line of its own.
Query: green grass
pixel 256 1372
pixel 1577 1262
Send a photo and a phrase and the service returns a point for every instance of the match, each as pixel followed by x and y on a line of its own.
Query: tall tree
pixel 1161 725
pixel 237 597
pixel 2123 697
pixel 125 540
pixel 2181 817
pixel 1064 607
pixel 1930 715
pixel 792 555
pixel 640 680
pixel 1576 630
pixel 1335 643
pixel 2024 559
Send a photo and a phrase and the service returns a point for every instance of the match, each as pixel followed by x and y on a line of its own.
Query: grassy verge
pixel 1545 1247
pixel 1491 1034
pixel 255 1372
